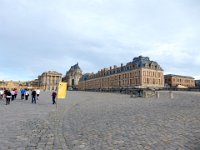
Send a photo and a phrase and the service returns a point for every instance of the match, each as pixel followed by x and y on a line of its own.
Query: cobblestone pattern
pixel 109 121
pixel 24 125
pixel 102 121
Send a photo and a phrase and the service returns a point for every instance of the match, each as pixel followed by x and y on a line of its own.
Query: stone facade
pixel 13 84
pixel 140 73
pixel 197 83
pixel 35 84
pixel 72 76
pixel 175 80
pixel 49 80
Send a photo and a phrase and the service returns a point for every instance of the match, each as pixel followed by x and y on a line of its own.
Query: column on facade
pixel 48 81
pixel 55 81
pixel 51 82
pixel 70 81
pixel 43 82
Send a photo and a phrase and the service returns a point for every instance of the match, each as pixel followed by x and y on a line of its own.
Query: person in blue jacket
pixel 22 93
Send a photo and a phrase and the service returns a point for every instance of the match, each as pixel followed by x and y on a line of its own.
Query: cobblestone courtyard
pixel 102 121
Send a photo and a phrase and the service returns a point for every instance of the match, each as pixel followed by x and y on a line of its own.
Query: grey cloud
pixel 45 35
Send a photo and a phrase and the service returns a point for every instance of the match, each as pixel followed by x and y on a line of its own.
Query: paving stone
pixel 92 121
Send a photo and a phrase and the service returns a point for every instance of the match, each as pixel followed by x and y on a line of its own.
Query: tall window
pixel 153 81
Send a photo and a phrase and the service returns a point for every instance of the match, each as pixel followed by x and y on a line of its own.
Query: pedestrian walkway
pixel 102 121
pixel 16 116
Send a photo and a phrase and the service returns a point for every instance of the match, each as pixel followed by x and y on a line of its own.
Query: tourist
pixel 7 96
pixel 54 94
pixel 16 93
pixel 13 94
pixel 22 93
pixel 33 96
pixel 1 93
pixel 38 93
pixel 26 94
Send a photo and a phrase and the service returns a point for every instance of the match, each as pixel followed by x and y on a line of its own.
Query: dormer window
pixel 149 65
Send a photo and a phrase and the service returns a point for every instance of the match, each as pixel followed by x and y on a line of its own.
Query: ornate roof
pixel 74 68
pixel 52 72
pixel 144 62
pixel 86 76
pixel 179 76
pixel 138 62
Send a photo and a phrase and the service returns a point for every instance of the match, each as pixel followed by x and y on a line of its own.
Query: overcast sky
pixel 43 35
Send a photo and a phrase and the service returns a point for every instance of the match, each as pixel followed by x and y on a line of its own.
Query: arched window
pixel 149 65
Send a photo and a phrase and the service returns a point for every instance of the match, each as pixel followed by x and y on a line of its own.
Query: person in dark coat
pixel 54 94
pixel 7 96
pixel 16 93
pixel 33 96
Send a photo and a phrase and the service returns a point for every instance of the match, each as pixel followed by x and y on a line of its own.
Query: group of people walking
pixel 34 94
pixel 8 94
pixel 25 93
pixel 12 94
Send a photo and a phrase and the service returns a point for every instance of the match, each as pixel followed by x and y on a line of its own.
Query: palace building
pixel 72 76
pixel 49 80
pixel 178 80
pixel 139 73
pixel 34 84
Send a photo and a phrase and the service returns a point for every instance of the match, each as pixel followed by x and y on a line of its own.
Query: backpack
pixel 33 93
pixel 54 94
pixel 8 93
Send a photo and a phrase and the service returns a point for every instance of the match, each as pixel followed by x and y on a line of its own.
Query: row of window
pixel 179 80
pixel 184 81
pixel 152 81
pixel 124 75
pixel 104 83
pixel 122 83
pixel 152 74
pixel 50 82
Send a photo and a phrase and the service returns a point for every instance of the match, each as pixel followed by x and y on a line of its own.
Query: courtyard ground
pixel 102 121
